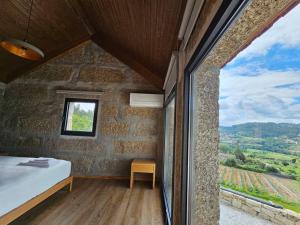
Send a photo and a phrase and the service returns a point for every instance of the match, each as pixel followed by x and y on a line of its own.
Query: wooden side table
pixel 142 166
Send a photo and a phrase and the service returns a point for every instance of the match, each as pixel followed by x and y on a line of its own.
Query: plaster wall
pixel 31 114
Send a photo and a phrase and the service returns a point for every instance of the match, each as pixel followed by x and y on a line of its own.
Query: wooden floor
pixel 99 202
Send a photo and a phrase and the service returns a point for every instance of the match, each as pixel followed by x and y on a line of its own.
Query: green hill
pixel 263 130
pixel 276 137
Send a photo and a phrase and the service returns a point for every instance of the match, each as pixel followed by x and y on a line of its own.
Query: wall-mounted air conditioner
pixel 146 100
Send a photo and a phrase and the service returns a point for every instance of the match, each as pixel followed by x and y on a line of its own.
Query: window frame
pixel 169 209
pixel 66 132
pixel 225 16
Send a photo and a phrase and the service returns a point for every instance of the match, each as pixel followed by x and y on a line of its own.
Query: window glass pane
pixel 80 116
pixel 192 199
pixel 259 117
pixel 168 152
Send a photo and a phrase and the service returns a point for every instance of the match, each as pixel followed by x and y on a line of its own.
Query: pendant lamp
pixel 21 48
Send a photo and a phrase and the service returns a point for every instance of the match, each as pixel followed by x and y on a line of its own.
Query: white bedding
pixel 18 184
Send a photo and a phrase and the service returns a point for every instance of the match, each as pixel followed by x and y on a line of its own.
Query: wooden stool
pixel 142 166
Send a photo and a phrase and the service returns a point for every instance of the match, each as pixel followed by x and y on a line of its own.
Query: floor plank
pixel 99 202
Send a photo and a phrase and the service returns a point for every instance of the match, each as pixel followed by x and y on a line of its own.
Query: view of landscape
pixel 81 116
pixel 260 117
pixel 262 159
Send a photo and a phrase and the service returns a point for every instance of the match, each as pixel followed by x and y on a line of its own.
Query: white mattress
pixel 18 184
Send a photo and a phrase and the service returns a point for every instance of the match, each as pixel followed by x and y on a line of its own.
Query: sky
pixel 262 83
pixel 86 106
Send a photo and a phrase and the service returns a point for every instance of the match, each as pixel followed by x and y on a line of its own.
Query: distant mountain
pixel 262 130
pixel 275 137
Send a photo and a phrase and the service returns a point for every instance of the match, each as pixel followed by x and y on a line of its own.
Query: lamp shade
pixel 22 49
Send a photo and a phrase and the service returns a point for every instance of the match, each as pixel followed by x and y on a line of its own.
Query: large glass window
pixel 260 119
pixel 200 147
pixel 168 154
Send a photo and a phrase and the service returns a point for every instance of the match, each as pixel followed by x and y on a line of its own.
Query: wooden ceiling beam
pixel 122 55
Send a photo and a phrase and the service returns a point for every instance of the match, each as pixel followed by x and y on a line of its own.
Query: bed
pixel 23 187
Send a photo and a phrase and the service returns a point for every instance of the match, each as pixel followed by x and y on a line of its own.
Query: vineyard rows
pixel 284 188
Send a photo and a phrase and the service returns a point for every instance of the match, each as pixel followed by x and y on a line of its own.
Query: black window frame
pixel 64 130
pixel 225 16
pixel 169 209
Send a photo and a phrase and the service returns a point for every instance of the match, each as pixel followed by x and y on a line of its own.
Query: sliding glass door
pixel 168 155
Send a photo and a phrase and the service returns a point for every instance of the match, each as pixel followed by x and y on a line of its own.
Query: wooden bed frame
pixel 17 212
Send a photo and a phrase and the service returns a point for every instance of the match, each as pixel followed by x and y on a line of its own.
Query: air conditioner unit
pixel 146 100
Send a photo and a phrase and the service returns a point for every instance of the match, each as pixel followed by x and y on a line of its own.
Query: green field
pixel 283 165
pixel 282 191
pixel 268 175
pixel 262 160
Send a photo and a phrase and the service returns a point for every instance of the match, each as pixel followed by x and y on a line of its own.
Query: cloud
pixel 289 86
pixel 285 32
pixel 268 97
pixel 262 84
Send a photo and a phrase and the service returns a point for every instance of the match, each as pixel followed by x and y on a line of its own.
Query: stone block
pixel 267 211
pixel 254 205
pixel 265 216
pixel 96 74
pixel 36 125
pixel 29 142
pixel 136 147
pixel 16 91
pixel 249 210
pixel 109 167
pixel 271 209
pixel 279 219
pixel 114 128
pixel 81 54
pixel 123 98
pixel 81 166
pixel 107 59
pixel 109 111
pixel 226 195
pixel 51 72
pixel 144 129
pixel 79 145
pixel 236 203
pixel 291 215
pixel 141 112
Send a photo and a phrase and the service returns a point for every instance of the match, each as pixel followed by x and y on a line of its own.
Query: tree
pixel 239 155
pixel 285 163
pixel 230 162
pixel 225 148
pixel 82 120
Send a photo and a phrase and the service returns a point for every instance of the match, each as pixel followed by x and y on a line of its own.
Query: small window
pixel 80 117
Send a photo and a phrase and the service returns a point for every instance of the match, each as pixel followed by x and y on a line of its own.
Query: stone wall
pixel 32 110
pixel 255 208
pixel 204 146
pixel 2 91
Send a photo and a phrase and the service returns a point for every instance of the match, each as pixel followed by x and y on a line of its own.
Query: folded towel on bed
pixel 42 163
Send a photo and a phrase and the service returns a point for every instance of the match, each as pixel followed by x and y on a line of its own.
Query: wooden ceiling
pixel 141 33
